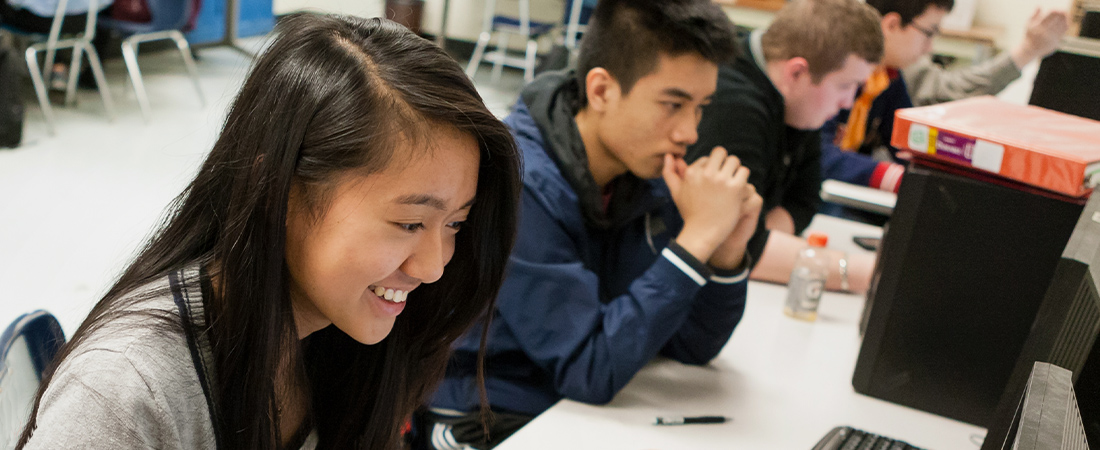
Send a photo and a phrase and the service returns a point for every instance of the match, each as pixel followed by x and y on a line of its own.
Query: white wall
pixel 1012 16
pixel 365 8
pixel 464 16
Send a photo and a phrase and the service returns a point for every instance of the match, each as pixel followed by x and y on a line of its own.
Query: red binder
pixel 1032 145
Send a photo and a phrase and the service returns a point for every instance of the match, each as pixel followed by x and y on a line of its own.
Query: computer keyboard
pixel 848 438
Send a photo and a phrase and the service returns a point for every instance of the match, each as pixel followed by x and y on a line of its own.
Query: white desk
pixel 859 197
pixel 784 382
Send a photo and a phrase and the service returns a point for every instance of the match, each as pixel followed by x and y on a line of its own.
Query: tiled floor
pixel 75 206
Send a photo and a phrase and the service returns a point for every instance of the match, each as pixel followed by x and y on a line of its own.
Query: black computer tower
pixel 962 270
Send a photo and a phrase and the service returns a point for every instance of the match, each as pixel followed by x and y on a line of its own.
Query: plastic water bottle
pixel 808 279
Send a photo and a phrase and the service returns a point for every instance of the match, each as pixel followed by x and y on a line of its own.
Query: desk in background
pixel 977 44
pixel 785 383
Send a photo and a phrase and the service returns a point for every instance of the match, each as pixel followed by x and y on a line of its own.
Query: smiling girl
pixel 352 220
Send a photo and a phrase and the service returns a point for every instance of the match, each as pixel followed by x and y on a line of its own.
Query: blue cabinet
pixel 257 18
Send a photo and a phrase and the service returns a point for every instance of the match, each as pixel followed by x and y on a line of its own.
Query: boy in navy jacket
pixel 624 251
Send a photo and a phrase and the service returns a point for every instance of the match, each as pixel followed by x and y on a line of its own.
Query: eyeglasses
pixel 928 32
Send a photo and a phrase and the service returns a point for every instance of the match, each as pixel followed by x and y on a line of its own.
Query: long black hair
pixel 331 94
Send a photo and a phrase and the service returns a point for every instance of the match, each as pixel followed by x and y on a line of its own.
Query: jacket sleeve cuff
pixel 687 263
pixel 1003 71
pixel 887 177
pixel 737 275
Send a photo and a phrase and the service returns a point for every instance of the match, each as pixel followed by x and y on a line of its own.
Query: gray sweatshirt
pixel 133 386
pixel 930 84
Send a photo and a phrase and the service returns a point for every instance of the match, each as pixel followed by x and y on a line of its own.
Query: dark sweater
pixel 746 116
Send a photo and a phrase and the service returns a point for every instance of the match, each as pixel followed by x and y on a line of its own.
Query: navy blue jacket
pixel 857 167
pixel 588 300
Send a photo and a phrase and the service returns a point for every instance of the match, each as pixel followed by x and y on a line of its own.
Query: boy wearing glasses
pixel 855 145
pixel 930 84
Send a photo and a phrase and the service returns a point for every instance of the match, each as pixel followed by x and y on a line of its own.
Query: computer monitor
pixel 1066 326
pixel 1067 80
pixel 1046 416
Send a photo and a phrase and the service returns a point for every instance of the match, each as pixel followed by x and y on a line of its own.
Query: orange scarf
pixel 856 129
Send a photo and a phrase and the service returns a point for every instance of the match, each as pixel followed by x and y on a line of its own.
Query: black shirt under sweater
pixel 746 117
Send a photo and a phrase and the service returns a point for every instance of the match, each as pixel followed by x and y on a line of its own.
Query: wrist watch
pixel 843 262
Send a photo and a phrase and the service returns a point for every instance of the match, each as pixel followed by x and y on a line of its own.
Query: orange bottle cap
pixel 818 239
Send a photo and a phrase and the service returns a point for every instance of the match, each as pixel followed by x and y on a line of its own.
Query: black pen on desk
pixel 698 420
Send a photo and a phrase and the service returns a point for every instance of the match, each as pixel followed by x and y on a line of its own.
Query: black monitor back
pixel 962 270
pixel 1069 80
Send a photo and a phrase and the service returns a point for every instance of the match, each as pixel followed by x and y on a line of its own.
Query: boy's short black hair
pixel 909 9
pixel 625 37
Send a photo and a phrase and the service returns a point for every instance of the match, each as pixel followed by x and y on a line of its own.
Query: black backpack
pixel 11 103
pixel 556 59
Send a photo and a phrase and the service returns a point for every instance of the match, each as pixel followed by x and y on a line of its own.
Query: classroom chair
pixel 168 17
pixel 27 347
pixel 81 44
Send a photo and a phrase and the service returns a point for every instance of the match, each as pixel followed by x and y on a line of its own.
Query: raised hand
pixel 1044 33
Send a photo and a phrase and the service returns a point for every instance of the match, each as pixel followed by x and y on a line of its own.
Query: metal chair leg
pixel 74 74
pixel 479 53
pixel 53 37
pixel 129 54
pixel 189 62
pixel 100 80
pixel 40 89
pixel 499 56
pixel 573 27
pixel 529 60
pixel 483 38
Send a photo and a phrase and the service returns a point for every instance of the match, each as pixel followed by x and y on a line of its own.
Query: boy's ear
pixel 891 22
pixel 796 68
pixel 600 89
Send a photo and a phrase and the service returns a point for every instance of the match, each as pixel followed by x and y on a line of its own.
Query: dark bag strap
pixel 11 104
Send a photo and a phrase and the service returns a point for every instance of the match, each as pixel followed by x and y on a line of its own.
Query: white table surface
pixel 784 383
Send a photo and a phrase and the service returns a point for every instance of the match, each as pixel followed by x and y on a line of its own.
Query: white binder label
pixel 919 138
pixel 988 156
